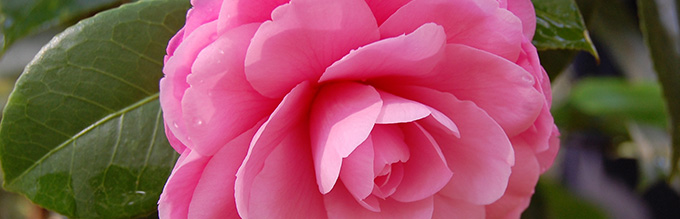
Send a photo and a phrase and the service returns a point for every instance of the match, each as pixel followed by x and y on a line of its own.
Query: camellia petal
pixel 312 34
pixel 444 207
pixel 288 115
pixel 286 186
pixel 234 13
pixel 476 23
pixel 341 118
pixel 218 80
pixel 173 85
pixel 340 204
pixel 414 54
pixel 357 171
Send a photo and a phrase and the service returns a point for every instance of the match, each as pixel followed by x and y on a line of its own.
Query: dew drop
pixel 175 124
pixel 528 78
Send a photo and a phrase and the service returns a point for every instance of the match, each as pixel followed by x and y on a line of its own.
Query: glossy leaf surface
pixel 559 25
pixel 82 133
pixel 19 18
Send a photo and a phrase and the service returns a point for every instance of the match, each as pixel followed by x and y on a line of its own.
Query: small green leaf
pixel 620 100
pixel 19 18
pixel 559 25
pixel 667 65
pixel 82 133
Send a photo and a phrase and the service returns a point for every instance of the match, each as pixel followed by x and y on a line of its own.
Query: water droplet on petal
pixel 175 124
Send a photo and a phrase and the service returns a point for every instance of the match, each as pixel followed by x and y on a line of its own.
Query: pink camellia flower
pixel 355 109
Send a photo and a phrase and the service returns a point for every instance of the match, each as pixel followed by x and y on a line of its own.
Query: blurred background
pixel 615 156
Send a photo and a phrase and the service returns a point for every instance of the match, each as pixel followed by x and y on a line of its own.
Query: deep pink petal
pixel 176 197
pixel 357 170
pixel 290 114
pixel 340 204
pixel 303 39
pixel 414 54
pixel 173 84
pixel 426 172
pixel 286 186
pixel 234 13
pixel 383 9
pixel 341 118
pixel 480 159
pixel 501 88
pixel 214 193
pixel 219 90
pixel 524 9
pixel 399 110
pixel 477 23
pixel 520 186
pixel 445 208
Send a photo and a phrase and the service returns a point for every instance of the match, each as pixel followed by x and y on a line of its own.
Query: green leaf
pixel 620 100
pixel 22 17
pixel 82 133
pixel 559 25
pixel 667 65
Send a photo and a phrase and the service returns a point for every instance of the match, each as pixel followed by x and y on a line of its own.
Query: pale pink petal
pixel 202 12
pixel 477 23
pixel 214 193
pixel 388 185
pixel 426 172
pixel 529 60
pixel 174 142
pixel 238 12
pixel 389 146
pixel 547 157
pixel 173 84
pixel 414 54
pixel 445 208
pixel 382 9
pixel 173 44
pixel 290 114
pixel 357 170
pixel 219 90
pixel 286 186
pixel 340 204
pixel 524 9
pixel 341 118
pixel 438 119
pixel 538 135
pixel 399 110
pixel 480 159
pixel 176 197
pixel 303 39
pixel 520 186
pixel 501 88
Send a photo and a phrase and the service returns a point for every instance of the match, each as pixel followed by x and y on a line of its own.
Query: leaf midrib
pixel 105 119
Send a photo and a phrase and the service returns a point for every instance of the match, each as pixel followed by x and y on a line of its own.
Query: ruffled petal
pixel 426 172
pixel 480 159
pixel 445 208
pixel 340 204
pixel 219 90
pixel 357 170
pixel 520 186
pixel 173 84
pixel 341 118
pixel 477 23
pixel 501 88
pixel 176 197
pixel 399 110
pixel 389 147
pixel 213 196
pixel 290 114
pixel 303 39
pixel 234 13
pixel 524 9
pixel 286 186
pixel 414 54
